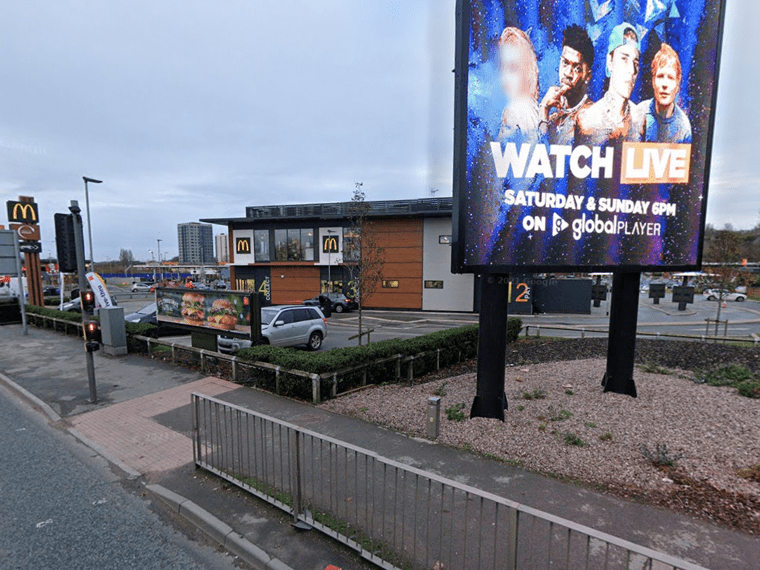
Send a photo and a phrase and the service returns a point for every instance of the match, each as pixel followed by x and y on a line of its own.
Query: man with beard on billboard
pixel 562 103
pixel 664 120
pixel 614 117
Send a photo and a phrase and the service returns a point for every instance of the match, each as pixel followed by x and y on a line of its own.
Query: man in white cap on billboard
pixel 614 118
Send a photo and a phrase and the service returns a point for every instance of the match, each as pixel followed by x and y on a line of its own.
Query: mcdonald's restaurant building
pixel 292 253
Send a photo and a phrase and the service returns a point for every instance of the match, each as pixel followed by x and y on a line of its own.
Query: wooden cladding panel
pixel 298 284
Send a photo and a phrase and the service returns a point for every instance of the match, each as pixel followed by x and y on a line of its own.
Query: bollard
pixel 434 416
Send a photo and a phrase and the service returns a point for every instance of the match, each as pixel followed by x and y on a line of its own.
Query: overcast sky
pixel 194 109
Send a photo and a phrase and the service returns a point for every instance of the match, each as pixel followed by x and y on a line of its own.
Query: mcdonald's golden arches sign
pixel 243 245
pixel 23 212
pixel 329 244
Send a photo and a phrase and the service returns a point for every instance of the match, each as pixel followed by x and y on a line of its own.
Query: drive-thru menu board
pixel 222 311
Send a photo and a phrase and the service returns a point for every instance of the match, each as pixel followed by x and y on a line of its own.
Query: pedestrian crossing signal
pixel 87 299
pixel 92 336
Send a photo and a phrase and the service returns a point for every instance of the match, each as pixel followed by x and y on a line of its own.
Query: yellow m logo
pixel 22 212
pixel 243 245
pixel 330 244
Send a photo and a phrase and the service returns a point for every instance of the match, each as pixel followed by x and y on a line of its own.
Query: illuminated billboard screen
pixel 583 133
pixel 225 311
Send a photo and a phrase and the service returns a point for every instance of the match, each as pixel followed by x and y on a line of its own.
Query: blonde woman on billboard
pixel 518 75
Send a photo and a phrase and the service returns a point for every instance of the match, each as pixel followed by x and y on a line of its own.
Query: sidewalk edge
pixel 218 530
pixel 133 474
pixel 49 412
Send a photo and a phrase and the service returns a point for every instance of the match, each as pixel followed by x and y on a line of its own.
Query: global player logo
pixel 558 224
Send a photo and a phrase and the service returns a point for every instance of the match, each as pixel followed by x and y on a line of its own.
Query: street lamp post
pixel 150 251
pixel 329 260
pixel 159 258
pixel 89 225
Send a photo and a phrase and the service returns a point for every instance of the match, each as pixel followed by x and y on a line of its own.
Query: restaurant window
pixel 307 244
pixel 446 240
pixel 261 245
pixel 281 245
pixel 433 284
pixel 294 245
pixel 351 245
pixel 387 284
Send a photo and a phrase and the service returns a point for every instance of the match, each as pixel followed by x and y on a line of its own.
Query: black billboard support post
pixel 83 286
pixel 490 400
pixel 621 347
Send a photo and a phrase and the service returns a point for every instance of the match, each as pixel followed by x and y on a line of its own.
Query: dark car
pixel 148 314
pixel 339 302
pixel 50 291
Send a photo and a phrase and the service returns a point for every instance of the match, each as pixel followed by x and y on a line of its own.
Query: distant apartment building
pixel 196 243
pixel 222 248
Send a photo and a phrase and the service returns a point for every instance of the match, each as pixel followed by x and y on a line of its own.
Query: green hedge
pixel 54 313
pixel 455 345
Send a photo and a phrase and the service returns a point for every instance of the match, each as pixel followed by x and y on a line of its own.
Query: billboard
pixel 583 133
pixel 218 311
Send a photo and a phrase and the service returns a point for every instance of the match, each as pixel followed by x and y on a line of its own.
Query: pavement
pixel 142 425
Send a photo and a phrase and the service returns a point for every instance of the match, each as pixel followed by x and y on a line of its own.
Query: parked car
pixel 715 294
pixel 339 302
pixel 75 305
pixel 220 284
pixel 149 314
pixel 142 287
pixel 50 291
pixel 287 325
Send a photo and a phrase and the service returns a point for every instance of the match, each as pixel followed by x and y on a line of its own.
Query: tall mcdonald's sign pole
pixel 23 217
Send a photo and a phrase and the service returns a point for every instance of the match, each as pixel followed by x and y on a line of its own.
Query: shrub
pixel 661 456
pixel 572 439
pixel 729 375
pixel 749 388
pixel 751 473
pixel 606 436
pixel 456 413
pixel 537 394
pixel 558 416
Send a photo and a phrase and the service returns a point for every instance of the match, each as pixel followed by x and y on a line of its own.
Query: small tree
pixel 126 259
pixel 724 249
pixel 362 256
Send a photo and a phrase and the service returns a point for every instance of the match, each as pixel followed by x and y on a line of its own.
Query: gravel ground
pixel 713 429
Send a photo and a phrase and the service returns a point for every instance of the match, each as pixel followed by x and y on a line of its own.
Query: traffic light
pixel 87 299
pixel 92 336
pixel 65 243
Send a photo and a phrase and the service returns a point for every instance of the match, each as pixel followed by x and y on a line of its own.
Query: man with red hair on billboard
pixel 518 74
pixel 560 106
pixel 614 117
pixel 664 120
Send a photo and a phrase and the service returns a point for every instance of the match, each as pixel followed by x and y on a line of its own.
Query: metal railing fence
pixel 603 331
pixel 395 515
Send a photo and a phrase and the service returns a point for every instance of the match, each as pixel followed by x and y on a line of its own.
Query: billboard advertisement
pixel 217 311
pixel 583 133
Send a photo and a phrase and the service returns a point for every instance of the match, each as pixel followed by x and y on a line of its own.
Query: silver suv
pixel 289 325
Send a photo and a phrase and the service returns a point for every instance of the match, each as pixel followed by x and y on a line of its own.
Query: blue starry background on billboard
pixel 543 216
